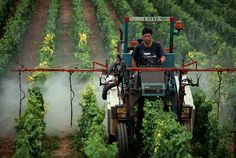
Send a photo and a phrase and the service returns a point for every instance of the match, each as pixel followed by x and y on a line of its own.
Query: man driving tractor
pixel 148 52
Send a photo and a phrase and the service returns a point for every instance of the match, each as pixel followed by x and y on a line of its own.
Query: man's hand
pixel 162 59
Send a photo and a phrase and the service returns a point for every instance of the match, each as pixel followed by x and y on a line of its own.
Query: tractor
pixel 122 89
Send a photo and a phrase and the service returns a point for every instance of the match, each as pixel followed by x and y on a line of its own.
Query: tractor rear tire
pixel 122 137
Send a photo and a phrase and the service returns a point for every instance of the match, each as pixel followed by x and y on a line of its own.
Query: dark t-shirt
pixel 148 55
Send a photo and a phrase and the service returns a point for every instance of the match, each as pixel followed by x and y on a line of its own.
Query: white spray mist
pixel 9 105
pixel 56 96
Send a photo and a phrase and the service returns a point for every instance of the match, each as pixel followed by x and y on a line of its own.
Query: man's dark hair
pixel 146 30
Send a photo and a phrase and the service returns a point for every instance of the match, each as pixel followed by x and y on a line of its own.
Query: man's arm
pixel 161 53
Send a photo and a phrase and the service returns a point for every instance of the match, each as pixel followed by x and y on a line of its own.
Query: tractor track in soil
pixel 28 56
pixel 65 147
pixel 95 37
pixel 113 16
pixel 65 46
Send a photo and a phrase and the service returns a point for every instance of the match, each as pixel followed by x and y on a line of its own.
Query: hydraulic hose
pixel 108 87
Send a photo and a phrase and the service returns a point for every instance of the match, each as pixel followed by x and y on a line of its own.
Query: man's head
pixel 147 35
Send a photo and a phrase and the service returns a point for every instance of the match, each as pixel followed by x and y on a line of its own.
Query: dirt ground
pixel 6 147
pixel 95 38
pixel 64 43
pixel 29 55
pixel 65 147
pixel 114 17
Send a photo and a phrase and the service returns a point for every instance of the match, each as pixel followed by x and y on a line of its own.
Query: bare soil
pixel 65 148
pixel 95 38
pixel 29 54
pixel 113 16
pixel 6 147
pixel 64 43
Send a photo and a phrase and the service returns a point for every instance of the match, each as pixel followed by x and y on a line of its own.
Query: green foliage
pixel 95 146
pixel 224 9
pixel 162 135
pixel 90 138
pixel 228 4
pixel 208 41
pixel 203 60
pixel 202 40
pixel 51 143
pixel 89 111
pixel 229 95
pixel 107 26
pixel 123 9
pixel 200 136
pixel 210 139
pixel 223 59
pixel 5 10
pixel 50 26
pixel 183 47
pixel 47 49
pixel 211 22
pixel 14 32
pixel 81 35
pixel 30 127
